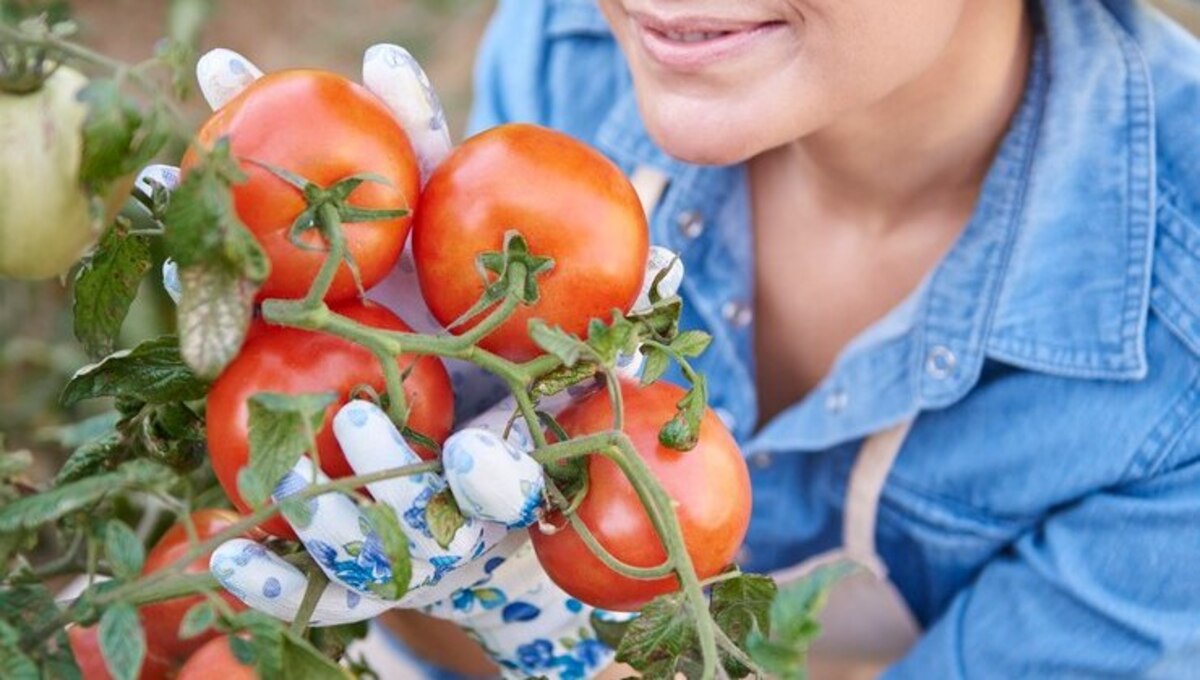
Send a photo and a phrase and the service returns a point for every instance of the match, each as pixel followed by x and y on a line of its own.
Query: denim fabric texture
pixel 1043 517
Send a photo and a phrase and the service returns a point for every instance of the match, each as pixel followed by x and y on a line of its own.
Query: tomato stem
pixel 317 580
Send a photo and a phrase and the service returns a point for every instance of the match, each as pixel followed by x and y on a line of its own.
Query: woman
pixel 949 251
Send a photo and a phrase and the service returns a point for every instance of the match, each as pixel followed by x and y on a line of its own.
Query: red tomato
pixel 85 646
pixel 215 661
pixel 324 128
pixel 293 361
pixel 161 620
pixel 710 484
pixel 571 204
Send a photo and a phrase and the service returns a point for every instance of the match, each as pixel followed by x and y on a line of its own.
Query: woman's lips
pixel 692 44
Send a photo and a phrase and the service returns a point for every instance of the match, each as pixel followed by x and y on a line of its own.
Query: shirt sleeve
pixel 507 83
pixel 1107 587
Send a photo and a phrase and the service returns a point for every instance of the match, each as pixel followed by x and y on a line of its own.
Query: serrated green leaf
pixel 153 372
pixel 783 651
pixel 106 285
pixel 663 641
pixel 563 377
pixel 214 313
pixel 391 537
pixel 741 605
pixel 74 435
pixel 691 343
pixel 124 550
pixel 32 511
pixel 662 320
pixel 28 606
pixel 266 643
pixel 443 517
pixel 198 619
pixel 102 454
pixel 656 364
pixel 281 427
pixel 122 641
pixel 14 663
pixel 566 347
pixel 616 337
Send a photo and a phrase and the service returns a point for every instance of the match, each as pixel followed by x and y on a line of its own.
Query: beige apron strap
pixel 870 471
pixel 649 183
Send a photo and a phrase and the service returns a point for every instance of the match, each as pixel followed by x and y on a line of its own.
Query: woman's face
pixel 719 81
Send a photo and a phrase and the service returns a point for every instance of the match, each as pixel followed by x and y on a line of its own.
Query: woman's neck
pixel 928 145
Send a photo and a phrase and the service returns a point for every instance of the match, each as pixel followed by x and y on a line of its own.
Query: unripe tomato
pixel 215 661
pixel 45 221
pixel 709 484
pixel 571 204
pixel 85 647
pixel 292 361
pixel 324 128
pixel 161 620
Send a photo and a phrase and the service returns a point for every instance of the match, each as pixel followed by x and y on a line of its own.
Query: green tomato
pixel 45 221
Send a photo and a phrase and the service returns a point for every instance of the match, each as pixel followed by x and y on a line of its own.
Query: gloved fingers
pixel 500 544
pixel 492 480
pixel 336 533
pixel 223 74
pixel 399 81
pixel 267 583
pixel 659 259
pixel 371 443
pixel 166 176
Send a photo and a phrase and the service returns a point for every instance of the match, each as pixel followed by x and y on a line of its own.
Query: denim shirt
pixel 1043 516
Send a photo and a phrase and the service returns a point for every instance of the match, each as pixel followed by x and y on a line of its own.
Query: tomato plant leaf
pixel 563 377
pixel 302 660
pixel 443 517
pixel 282 428
pixel 783 650
pixel 14 663
pixel 608 340
pixel 266 643
pixel 108 132
pixel 566 347
pixel 691 343
pixel 386 528
pixel 153 372
pixel 740 605
pixel 99 454
pixel 683 431
pixel 198 619
pixel 124 550
pixel 332 641
pixel 122 641
pixel 662 642
pixel 662 320
pixel 214 313
pixel 30 512
pixel 656 364
pixel 106 285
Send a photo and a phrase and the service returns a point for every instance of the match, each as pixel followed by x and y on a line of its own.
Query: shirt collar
pixel 1062 275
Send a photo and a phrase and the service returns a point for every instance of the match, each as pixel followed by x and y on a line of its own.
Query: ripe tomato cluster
pixel 567 201
pixel 166 651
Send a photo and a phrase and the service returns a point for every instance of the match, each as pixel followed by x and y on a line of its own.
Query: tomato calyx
pixel 511 272
pixel 26 66
pixel 327 209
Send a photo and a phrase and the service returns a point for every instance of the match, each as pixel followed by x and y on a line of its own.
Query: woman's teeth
pixel 694 36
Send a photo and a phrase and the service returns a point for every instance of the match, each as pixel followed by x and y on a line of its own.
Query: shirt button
pixel 690 223
pixel 940 362
pixel 737 313
pixel 837 401
pixel 761 460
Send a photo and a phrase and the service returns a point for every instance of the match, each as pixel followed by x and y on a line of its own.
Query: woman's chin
pixel 702 135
